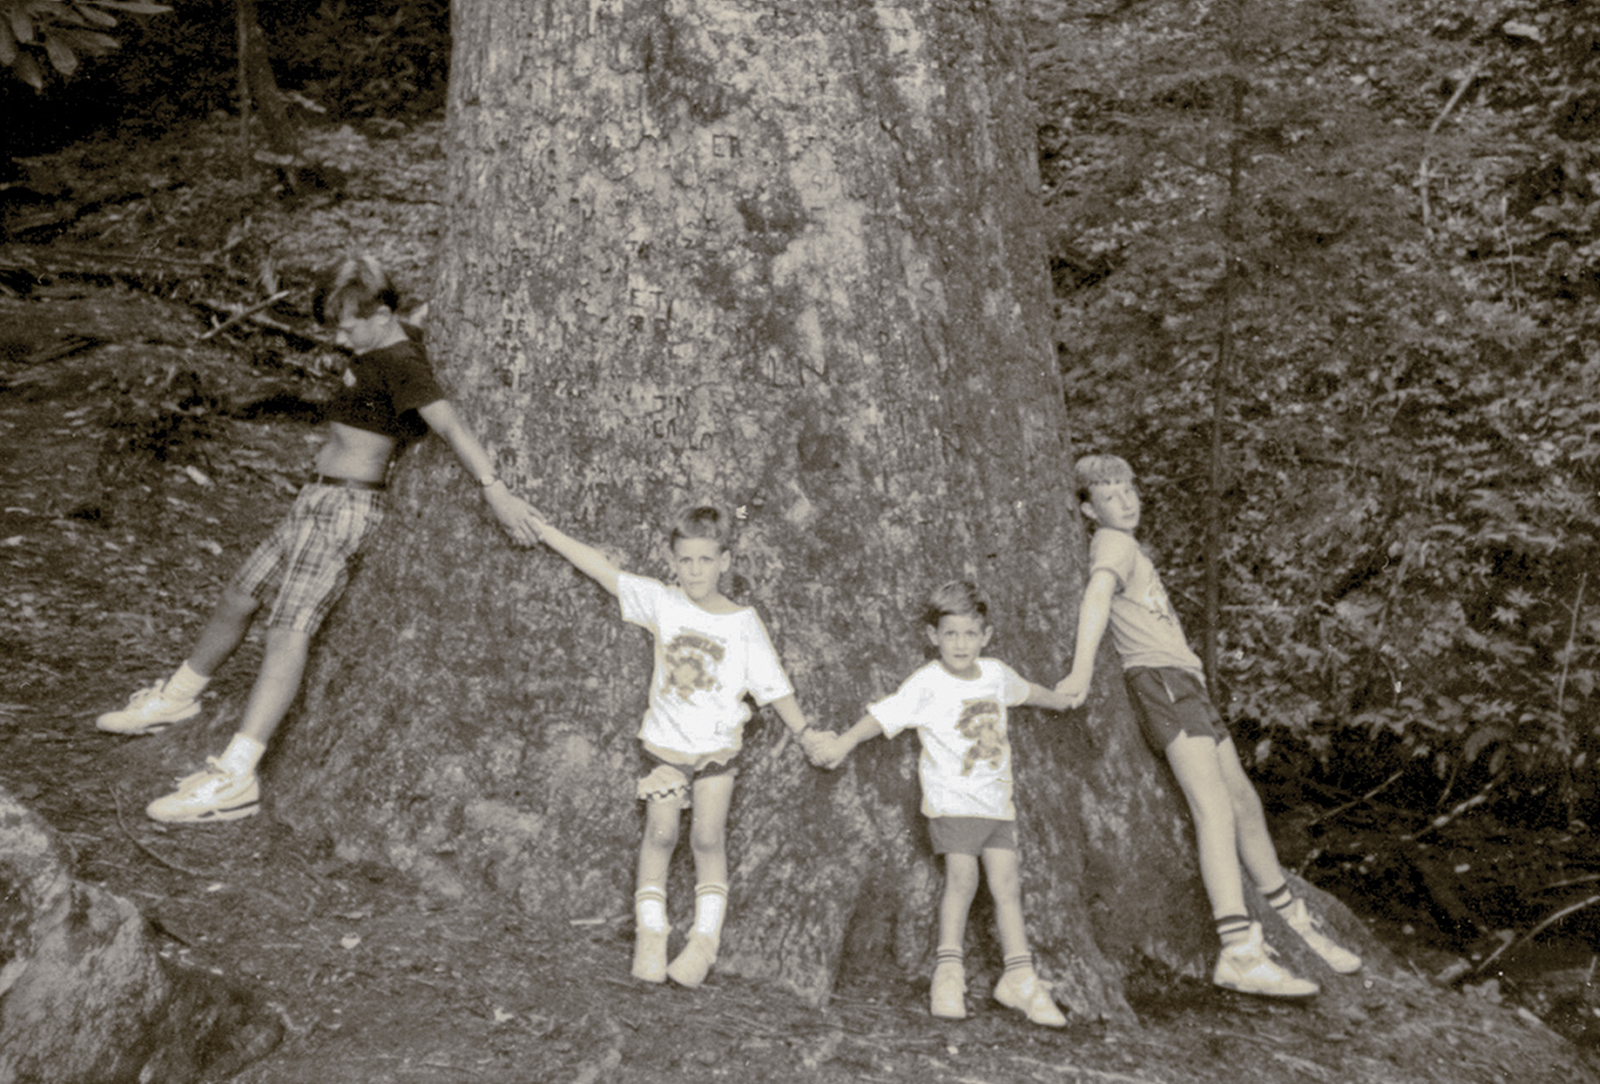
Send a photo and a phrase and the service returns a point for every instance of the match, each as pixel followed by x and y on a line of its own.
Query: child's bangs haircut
pixel 358 280
pixel 703 521
pixel 1096 470
pixel 958 598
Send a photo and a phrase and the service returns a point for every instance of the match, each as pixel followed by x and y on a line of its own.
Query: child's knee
pixel 661 827
pixel 707 838
pixel 961 875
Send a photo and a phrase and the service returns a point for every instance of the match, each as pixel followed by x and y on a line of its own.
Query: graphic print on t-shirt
pixel 1155 600
pixel 980 722
pixel 691 664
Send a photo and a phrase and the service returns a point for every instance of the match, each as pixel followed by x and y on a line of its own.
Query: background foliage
pixel 1410 454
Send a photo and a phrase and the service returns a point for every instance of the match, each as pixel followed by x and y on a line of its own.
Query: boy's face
pixel 1113 504
pixel 362 334
pixel 960 639
pixel 699 564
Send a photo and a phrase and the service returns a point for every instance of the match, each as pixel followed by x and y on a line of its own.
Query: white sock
pixel 710 904
pixel 185 684
pixel 650 909
pixel 241 756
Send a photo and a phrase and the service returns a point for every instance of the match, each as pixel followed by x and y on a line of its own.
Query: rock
pixel 85 997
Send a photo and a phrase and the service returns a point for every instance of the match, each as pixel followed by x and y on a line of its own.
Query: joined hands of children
pixel 520 519
pixel 824 749
pixel 1074 688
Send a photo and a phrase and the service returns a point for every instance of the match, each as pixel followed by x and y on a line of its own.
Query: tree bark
pixel 784 257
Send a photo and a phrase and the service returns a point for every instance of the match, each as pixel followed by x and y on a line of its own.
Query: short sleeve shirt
pixel 965 765
pixel 383 389
pixel 1143 624
pixel 705 665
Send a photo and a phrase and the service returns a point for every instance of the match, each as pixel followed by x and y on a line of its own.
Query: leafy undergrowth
pixel 137 465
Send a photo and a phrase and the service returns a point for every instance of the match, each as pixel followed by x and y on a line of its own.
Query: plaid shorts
pixel 308 557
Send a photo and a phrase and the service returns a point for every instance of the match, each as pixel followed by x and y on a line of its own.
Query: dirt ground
pixel 137 465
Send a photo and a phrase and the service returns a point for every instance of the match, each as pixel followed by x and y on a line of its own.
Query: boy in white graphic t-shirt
pixel 710 653
pixel 957 705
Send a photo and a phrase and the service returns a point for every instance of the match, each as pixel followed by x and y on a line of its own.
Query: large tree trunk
pixel 784 257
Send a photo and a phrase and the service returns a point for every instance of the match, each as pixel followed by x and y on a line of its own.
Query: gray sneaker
pixel 148 712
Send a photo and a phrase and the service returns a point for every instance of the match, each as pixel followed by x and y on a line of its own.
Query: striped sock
pixel 1022 961
pixel 650 908
pixel 947 955
pixel 1233 930
pixel 1281 898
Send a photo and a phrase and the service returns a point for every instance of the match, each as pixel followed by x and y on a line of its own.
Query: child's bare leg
pixel 1250 820
pixel 1005 885
pixel 283 664
pixel 1019 986
pixel 708 839
pixel 947 993
pixel 960 886
pixel 661 819
pixel 660 840
pixel 1194 761
pixel 224 631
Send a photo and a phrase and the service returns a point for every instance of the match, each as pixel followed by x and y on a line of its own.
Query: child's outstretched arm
pixel 835 747
pixel 1093 617
pixel 585 558
pixel 517 516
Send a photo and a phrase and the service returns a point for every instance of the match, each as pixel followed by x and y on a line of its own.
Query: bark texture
pixel 85 998
pixel 784 257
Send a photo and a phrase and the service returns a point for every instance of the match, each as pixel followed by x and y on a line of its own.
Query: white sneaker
pixel 650 955
pixel 1026 992
pixel 210 795
pixel 947 997
pixel 1248 968
pixel 693 964
pixel 1304 923
pixel 148 711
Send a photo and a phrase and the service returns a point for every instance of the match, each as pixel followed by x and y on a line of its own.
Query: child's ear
pixel 933 635
pixel 1087 508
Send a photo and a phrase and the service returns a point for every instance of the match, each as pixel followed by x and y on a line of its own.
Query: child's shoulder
pixel 1112 544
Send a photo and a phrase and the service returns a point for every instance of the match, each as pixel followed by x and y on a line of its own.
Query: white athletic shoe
pixel 1026 992
pixel 148 711
pixel 947 998
pixel 210 795
pixel 1248 967
pixel 1304 923
pixel 650 955
pixel 693 964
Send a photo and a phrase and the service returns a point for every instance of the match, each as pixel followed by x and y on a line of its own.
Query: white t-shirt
pixel 705 664
pixel 966 755
pixel 1143 624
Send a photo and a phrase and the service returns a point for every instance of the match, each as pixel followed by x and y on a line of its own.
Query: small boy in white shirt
pixel 957 705
pixel 710 653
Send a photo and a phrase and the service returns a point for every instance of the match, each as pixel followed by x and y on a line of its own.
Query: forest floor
pixel 138 464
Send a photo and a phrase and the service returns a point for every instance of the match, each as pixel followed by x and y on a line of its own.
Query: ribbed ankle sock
pixel 1022 961
pixel 650 909
pixel 185 683
pixel 1233 929
pixel 947 955
pixel 710 908
pixel 242 755
pixel 1281 898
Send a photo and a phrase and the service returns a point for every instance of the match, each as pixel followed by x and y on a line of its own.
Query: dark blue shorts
pixel 1170 702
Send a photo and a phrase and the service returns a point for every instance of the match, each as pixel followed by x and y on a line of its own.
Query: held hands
pixel 520 519
pixel 823 749
pixel 1075 688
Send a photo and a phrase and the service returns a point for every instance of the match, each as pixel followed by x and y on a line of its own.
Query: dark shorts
pixel 1170 702
pixel 971 835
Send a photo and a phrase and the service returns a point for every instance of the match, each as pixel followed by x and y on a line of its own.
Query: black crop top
pixel 383 389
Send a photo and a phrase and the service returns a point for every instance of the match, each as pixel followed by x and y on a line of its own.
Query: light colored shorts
pixel 307 558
